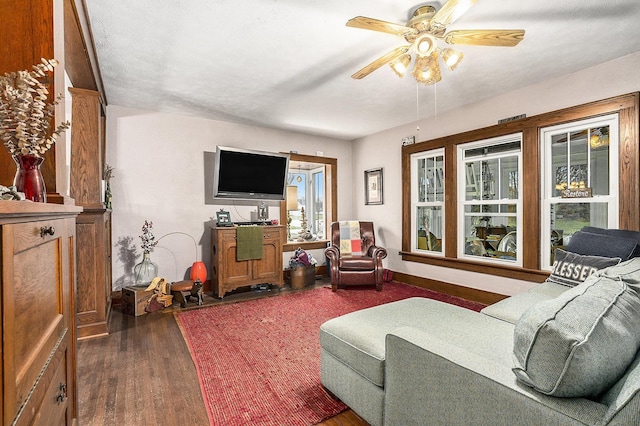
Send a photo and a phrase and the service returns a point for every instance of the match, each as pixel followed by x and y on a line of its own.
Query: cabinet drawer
pixel 30 234
pixel 48 403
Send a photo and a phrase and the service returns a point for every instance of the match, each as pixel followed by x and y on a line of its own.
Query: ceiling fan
pixel 422 31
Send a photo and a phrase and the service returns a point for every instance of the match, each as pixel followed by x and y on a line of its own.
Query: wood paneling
pixel 86 148
pixel 76 58
pixel 93 304
pixel 94 224
pixel 27 36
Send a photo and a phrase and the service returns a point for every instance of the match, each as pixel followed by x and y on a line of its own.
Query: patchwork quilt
pixel 350 240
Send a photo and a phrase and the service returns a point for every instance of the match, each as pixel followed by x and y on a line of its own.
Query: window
pixel 428 202
pixel 317 206
pixel 580 180
pixel 310 213
pixel 536 180
pixel 489 203
pixel 315 180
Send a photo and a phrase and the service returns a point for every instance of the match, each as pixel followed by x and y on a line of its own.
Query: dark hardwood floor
pixel 142 373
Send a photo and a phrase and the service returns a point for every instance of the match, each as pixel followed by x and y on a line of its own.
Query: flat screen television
pixel 250 175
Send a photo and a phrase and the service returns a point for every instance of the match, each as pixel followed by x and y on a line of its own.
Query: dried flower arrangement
pixel 25 116
pixel 147 237
pixel 108 172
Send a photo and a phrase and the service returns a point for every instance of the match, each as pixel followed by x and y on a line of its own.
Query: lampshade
pixel 292 197
pixel 198 272
pixel 451 58
pixel 400 65
pixel 427 70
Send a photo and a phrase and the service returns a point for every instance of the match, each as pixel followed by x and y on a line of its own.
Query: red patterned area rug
pixel 258 361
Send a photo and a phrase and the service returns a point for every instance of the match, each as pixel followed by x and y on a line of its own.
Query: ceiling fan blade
pixel 381 26
pixel 452 10
pixel 395 53
pixel 508 38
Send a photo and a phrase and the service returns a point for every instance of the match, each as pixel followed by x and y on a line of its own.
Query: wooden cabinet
pixel 94 223
pixel 93 307
pixel 228 273
pixel 38 313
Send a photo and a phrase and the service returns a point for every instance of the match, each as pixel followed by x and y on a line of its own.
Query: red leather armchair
pixel 356 269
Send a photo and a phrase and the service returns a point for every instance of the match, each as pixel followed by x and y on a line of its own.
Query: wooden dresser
pixel 228 273
pixel 38 313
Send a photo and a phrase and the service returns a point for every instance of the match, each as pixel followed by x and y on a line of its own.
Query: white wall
pixel 163 172
pixel 614 78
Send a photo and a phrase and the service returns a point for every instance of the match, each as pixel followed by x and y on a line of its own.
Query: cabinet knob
pixel 47 230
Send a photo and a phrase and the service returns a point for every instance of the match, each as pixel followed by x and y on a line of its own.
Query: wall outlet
pixel 319 153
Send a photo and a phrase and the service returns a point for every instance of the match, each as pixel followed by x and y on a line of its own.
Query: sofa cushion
pixel 580 343
pixel 628 271
pixel 357 263
pixel 592 244
pixel 357 339
pixel 571 269
pixel 512 308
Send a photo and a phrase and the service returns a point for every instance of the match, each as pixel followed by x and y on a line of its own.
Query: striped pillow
pixel 580 343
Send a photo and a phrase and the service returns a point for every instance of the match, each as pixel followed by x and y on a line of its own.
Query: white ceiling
pixel 286 64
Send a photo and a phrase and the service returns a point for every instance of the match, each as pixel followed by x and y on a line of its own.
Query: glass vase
pixel 145 271
pixel 29 178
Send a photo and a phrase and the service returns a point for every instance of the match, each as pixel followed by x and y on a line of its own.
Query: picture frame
pixel 373 186
pixel 223 218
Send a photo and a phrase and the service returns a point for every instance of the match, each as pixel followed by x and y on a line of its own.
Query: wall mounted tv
pixel 250 175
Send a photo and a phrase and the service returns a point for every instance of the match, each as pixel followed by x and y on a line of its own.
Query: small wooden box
pixel 134 300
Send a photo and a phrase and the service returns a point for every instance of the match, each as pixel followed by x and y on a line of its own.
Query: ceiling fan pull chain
pixel 417 106
pixel 435 100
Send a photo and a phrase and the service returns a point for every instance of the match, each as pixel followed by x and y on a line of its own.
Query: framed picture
pixel 224 218
pixel 373 186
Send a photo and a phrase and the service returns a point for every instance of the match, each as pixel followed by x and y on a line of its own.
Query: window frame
pixel 331 199
pixel 432 154
pixel 626 106
pixel 547 198
pixel 462 195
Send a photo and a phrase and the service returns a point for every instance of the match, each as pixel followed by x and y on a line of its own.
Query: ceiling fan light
pixel 400 65
pixel 451 58
pixel 425 44
pixel 426 69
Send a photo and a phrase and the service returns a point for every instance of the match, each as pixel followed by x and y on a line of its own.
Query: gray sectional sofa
pixel 558 354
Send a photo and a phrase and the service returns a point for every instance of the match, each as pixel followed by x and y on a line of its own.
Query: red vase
pixel 198 272
pixel 29 177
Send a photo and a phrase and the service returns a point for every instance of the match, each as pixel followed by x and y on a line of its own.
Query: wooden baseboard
pixel 468 293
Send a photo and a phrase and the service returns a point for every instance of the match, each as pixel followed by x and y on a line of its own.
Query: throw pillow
pixel 580 343
pixel 617 233
pixel 571 269
pixel 591 244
